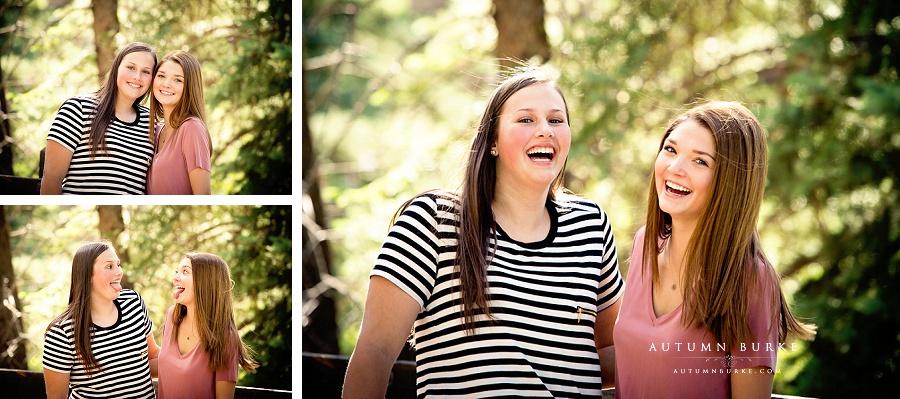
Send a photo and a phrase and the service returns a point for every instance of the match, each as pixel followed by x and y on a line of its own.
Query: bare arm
pixel 199 181
pixel 752 383
pixel 603 338
pixel 57 384
pixel 386 323
pixel 56 165
pixel 153 355
pixel 225 389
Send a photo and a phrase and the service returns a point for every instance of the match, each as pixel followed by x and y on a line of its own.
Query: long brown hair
pixel 107 95
pixel 476 219
pixel 215 314
pixel 192 102
pixel 724 251
pixel 79 307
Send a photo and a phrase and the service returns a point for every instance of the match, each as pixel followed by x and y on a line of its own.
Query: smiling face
pixel 684 171
pixel 168 85
pixel 533 137
pixel 134 75
pixel 106 280
pixel 184 283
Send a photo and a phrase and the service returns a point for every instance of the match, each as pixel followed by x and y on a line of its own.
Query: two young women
pixel 103 346
pixel 102 143
pixel 512 288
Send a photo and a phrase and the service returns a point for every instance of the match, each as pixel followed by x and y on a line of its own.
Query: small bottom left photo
pixel 145 301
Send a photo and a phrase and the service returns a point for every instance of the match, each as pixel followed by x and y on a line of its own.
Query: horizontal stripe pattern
pixel 538 344
pixel 120 349
pixel 122 170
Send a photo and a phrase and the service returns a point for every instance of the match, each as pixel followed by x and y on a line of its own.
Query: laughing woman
pixel 699 279
pixel 98 142
pixel 182 145
pixel 201 349
pixel 102 345
pixel 511 286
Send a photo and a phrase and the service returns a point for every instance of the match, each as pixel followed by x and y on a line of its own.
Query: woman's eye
pixel 701 162
pixel 668 148
pixel 526 120
pixel 557 120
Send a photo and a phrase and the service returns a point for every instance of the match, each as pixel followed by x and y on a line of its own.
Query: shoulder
pixel 60 324
pixel 127 295
pixel 439 201
pixel 572 206
pixel 79 102
pixel 143 109
pixel 193 123
pixel 639 235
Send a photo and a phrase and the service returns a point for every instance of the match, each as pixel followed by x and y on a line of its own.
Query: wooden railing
pixel 323 377
pixel 14 185
pixel 24 384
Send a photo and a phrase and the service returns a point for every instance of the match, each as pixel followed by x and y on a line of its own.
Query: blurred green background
pixel 393 89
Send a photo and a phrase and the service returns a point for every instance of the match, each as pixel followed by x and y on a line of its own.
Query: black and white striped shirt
pixel 544 297
pixel 120 349
pixel 123 170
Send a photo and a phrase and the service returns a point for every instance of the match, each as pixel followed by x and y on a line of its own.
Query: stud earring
pixel 494 152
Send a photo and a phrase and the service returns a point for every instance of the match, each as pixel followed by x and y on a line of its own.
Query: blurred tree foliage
pixel 396 89
pixel 255 241
pixel 48 56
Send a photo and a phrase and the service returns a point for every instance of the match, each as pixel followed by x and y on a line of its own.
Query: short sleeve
pixel 612 285
pixel 145 316
pixel 230 372
pixel 59 351
pixel 195 145
pixel 68 126
pixel 762 350
pixel 408 257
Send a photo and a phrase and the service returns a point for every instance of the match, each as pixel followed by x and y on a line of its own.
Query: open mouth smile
pixel 677 189
pixel 541 154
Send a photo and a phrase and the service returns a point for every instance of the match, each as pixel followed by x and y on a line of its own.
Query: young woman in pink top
pixel 703 313
pixel 182 145
pixel 201 349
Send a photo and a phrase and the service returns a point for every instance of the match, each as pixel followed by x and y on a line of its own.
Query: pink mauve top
pixel 188 376
pixel 186 150
pixel 657 357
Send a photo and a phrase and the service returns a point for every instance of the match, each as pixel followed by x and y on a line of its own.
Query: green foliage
pixel 264 273
pixel 844 104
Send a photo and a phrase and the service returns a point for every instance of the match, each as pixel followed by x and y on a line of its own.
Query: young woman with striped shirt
pixel 98 142
pixel 102 344
pixel 510 286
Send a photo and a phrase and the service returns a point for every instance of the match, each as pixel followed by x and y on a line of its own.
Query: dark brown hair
pixel 724 252
pixel 106 105
pixel 476 219
pixel 79 308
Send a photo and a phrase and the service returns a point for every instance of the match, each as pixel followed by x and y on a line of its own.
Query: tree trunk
pixel 520 31
pixel 319 321
pixel 12 338
pixel 5 134
pixel 112 224
pixel 106 25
